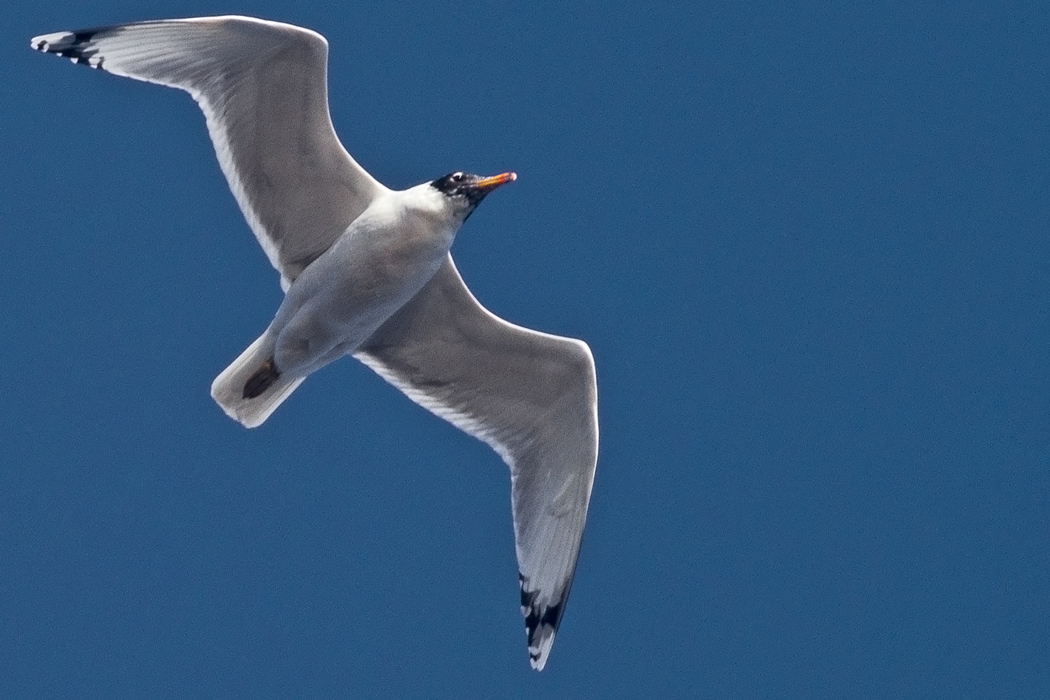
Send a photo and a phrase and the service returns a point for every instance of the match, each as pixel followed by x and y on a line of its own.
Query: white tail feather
pixel 228 387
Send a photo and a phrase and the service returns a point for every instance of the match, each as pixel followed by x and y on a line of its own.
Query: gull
pixel 367 272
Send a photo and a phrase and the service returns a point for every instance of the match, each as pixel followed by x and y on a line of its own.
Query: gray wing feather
pixel 529 395
pixel 263 89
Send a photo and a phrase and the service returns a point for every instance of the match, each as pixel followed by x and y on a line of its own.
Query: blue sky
pixel 807 245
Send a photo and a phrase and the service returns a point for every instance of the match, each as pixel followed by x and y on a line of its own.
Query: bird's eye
pixel 458 177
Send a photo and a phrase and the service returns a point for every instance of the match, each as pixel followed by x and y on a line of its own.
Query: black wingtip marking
pixel 76 46
pixel 261 380
pixel 537 617
pixel 84 35
pixel 77 54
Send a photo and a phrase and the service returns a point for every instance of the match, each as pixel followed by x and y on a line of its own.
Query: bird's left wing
pixel 263 89
pixel 532 397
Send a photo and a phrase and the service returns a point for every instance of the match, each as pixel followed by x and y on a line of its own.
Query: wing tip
pixel 76 46
pixel 541 639
pixel 44 42
pixel 541 624
pixel 538 654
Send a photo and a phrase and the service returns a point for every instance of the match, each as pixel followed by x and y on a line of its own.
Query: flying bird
pixel 367 272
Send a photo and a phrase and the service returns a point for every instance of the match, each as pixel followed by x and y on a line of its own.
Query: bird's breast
pixel 372 270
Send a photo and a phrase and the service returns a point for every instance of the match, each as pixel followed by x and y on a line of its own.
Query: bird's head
pixel 466 190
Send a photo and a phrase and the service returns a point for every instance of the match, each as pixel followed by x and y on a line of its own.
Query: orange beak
pixel 490 183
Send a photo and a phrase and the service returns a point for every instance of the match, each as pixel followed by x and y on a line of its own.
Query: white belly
pixel 346 294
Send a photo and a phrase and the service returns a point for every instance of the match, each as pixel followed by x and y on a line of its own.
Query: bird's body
pixel 382 259
pixel 367 272
pixel 367 275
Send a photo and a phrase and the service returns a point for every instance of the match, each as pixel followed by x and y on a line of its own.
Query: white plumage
pixel 367 272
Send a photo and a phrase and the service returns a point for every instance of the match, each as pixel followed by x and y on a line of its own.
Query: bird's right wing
pixel 532 397
pixel 263 89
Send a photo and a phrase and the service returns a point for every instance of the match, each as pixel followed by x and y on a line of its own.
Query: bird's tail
pixel 252 388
